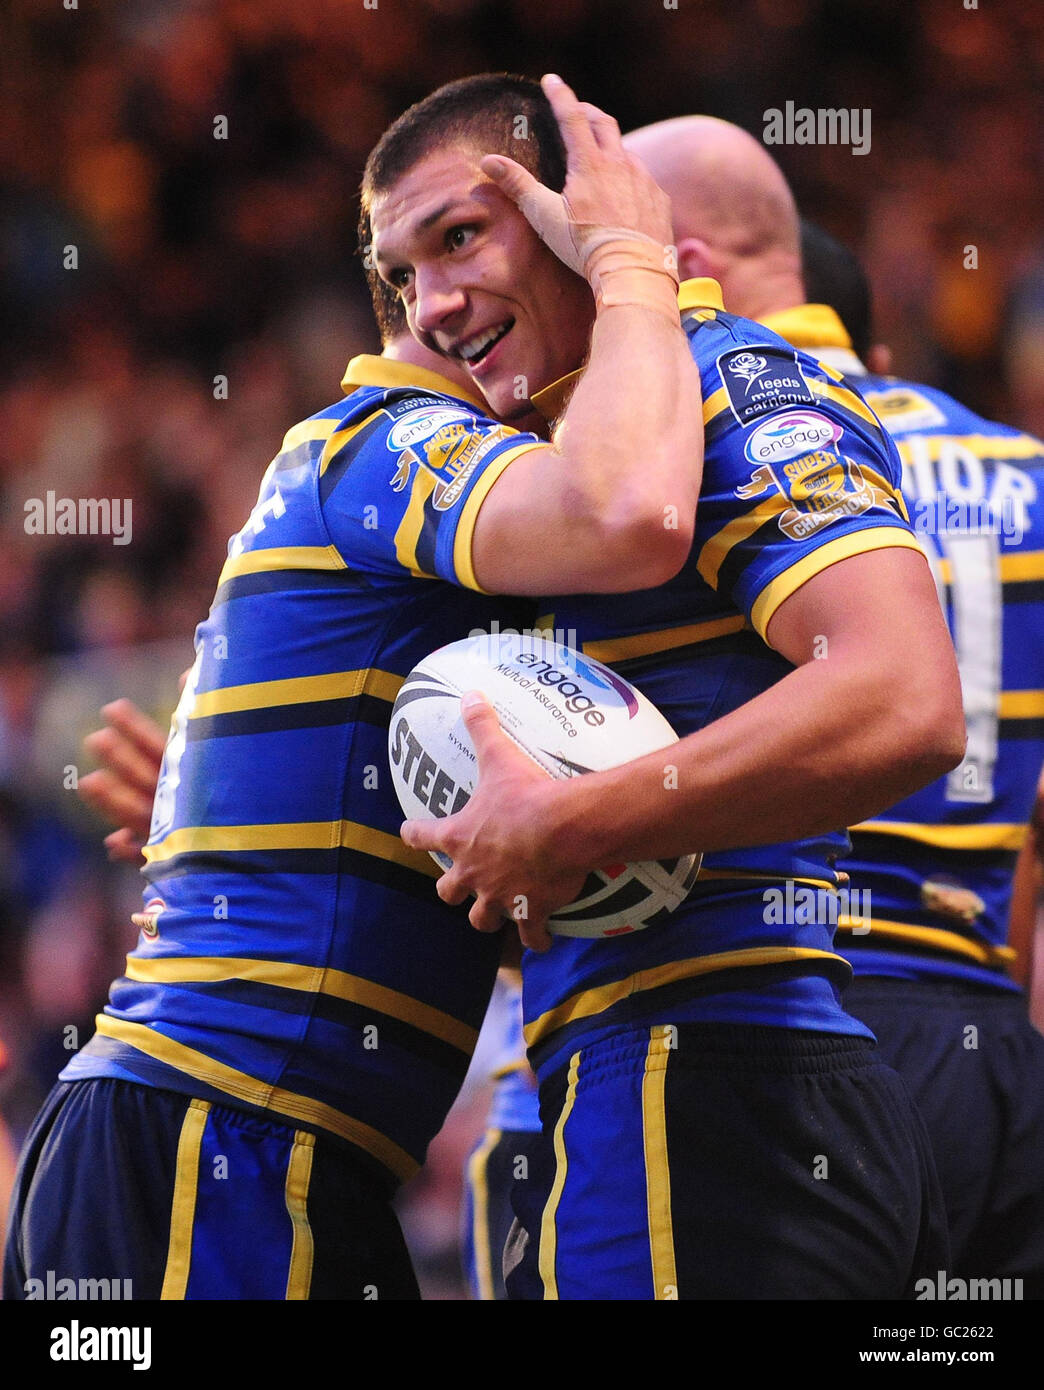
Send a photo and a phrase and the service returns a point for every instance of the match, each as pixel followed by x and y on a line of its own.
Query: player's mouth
pixel 475 351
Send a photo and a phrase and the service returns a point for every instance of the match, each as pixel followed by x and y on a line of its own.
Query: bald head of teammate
pixel 734 214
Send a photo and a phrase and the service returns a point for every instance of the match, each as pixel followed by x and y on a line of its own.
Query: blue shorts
pixel 176 1198
pixel 501 1159
pixel 974 1065
pixel 712 1161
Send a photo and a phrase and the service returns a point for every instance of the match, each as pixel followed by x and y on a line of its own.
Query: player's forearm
pixel 631 440
pixel 823 749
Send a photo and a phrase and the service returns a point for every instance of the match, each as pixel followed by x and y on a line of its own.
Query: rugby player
pixel 720 1013
pixel 300 1009
pixel 931 977
pixel 938 977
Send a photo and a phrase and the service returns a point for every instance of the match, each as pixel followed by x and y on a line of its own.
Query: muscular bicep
pixel 879 607
pixel 536 532
pixel 530 536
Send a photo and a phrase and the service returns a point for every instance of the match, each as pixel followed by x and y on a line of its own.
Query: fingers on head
pixel 572 120
pixel 603 127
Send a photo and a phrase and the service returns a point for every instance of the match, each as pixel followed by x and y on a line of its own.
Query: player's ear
pixel 694 259
pixel 879 359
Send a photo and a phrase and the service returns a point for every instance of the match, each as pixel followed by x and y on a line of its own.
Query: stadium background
pixel 203 260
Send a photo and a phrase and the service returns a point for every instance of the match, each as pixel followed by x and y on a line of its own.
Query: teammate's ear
pixel 879 359
pixel 694 259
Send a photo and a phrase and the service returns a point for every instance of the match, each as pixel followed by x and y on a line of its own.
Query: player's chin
pixel 499 392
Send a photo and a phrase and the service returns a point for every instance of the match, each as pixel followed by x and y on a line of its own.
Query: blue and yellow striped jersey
pixel 940 864
pixel 294 956
pixel 798 475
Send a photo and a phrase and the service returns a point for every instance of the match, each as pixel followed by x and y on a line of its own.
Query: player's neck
pixel 755 288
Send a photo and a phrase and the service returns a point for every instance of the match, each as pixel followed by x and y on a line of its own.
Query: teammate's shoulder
pixel 409 412
pixel 913 407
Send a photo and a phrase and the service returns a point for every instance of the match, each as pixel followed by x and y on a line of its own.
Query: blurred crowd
pixel 179 284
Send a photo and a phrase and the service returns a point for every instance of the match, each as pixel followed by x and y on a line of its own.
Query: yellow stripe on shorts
pixel 548 1232
pixel 657 1166
pixel 183 1206
pixel 480 1237
pixel 302 1254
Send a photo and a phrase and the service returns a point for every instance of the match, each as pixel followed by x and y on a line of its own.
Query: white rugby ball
pixel 571 715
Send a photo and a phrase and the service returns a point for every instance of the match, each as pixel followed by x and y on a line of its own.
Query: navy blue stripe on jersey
pixel 317 713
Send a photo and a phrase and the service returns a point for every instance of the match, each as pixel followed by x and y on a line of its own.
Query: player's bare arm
pixel 871 712
pixel 608 504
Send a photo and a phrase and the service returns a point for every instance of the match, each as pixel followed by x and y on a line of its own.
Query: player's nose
pixel 438 300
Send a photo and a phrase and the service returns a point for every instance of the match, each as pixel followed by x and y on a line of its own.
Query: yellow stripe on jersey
pixel 253 1091
pixel 298 690
pixel 463 559
pixel 703 875
pixel 985 835
pixel 1021 704
pixel 657 1165
pixel 480 1234
pixel 715 551
pixel 854 543
pixel 982 952
pixel 337 441
pixel 408 534
pixel 302 1253
pixel 308 432
pixel 1020 567
pixel 847 400
pixel 548 1233
pixel 183 1205
pixel 337 984
pixel 343 834
pixel 587 1003
pixel 986 446
pixel 716 404
pixel 664 640
pixel 283 557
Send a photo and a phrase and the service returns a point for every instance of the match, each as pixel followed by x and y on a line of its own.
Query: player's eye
pixel 398 278
pixel 458 237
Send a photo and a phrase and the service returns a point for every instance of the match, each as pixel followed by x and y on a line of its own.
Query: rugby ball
pixel 571 715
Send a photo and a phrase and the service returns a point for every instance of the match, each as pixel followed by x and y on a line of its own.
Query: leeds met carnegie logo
pixel 748 366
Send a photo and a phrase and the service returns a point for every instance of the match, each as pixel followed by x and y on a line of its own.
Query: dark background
pixel 200 258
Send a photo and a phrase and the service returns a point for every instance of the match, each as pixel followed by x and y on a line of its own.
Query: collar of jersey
pixel 703 293
pixel 693 294
pixel 809 326
pixel 367 370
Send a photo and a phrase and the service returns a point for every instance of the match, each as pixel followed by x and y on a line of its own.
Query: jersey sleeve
pixel 798 475
pixel 403 492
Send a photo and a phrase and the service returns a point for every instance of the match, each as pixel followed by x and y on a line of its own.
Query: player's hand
pixel 130 750
pixel 500 843
pixel 609 195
